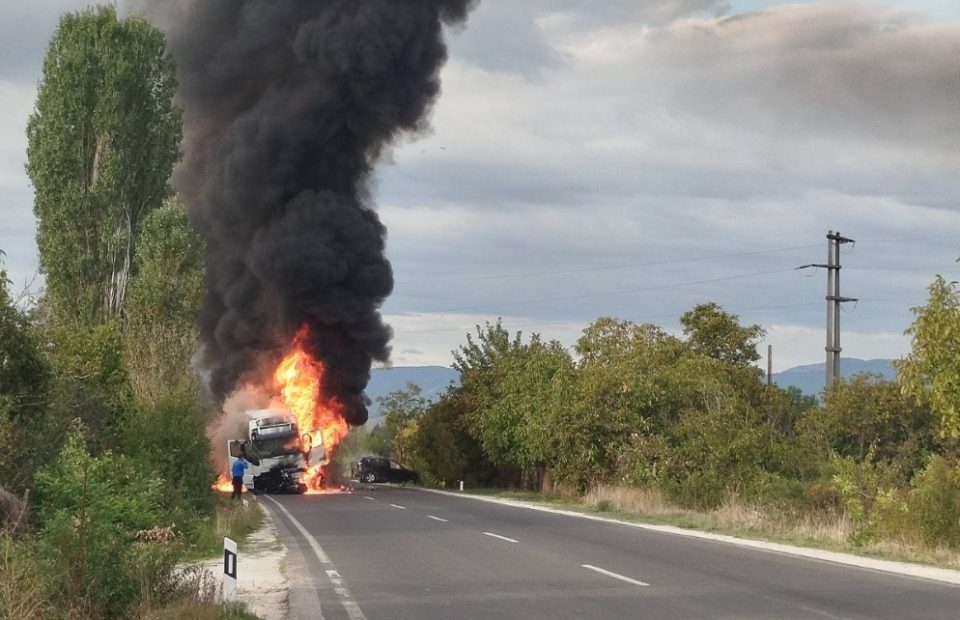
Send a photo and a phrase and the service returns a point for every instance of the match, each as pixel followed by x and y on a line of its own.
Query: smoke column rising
pixel 287 106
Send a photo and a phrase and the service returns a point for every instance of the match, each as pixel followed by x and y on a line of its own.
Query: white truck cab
pixel 278 454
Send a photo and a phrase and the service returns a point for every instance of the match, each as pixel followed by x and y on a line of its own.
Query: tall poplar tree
pixel 103 139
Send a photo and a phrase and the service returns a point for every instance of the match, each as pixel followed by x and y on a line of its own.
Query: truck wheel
pixel 369 477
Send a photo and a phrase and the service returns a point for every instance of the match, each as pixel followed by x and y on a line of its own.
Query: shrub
pixel 702 490
pixel 90 510
pixel 169 438
pixel 871 497
pixel 934 504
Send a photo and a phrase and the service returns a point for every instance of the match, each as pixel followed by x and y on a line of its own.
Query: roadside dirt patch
pixel 260 580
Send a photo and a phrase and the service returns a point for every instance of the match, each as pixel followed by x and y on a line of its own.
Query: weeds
pixel 230 519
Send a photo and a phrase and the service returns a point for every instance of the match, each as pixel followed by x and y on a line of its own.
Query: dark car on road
pixel 379 469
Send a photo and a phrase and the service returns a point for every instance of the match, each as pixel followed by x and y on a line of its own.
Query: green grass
pixel 229 519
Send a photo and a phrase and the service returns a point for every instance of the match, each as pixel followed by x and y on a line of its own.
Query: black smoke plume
pixel 288 105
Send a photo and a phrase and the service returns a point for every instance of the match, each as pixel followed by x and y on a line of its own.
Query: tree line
pixel 691 417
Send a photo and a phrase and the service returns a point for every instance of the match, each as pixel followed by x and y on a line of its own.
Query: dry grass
pixel 822 529
pixel 198 598
pixel 22 595
pixel 732 515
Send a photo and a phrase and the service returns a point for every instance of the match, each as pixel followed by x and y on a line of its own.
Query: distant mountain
pixel 810 379
pixel 433 380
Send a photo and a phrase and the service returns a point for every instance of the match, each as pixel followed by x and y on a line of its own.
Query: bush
pixel 871 497
pixel 773 490
pixel 168 438
pixel 934 504
pixel 702 490
pixel 90 511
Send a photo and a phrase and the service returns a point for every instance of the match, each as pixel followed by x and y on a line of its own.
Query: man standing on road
pixel 239 466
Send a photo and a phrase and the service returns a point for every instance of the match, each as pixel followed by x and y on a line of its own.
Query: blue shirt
pixel 239 466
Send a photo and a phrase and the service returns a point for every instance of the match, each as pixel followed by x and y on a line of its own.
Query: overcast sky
pixel 633 159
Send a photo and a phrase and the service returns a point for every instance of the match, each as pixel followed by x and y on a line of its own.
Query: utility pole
pixel 769 364
pixel 834 299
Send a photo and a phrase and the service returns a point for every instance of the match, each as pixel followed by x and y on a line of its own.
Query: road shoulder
pixel 261 583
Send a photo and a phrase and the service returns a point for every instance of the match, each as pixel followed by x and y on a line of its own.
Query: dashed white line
pixel 614 575
pixel 500 537
pixel 437 519
pixel 400 507
pixel 368 497
pixel 340 587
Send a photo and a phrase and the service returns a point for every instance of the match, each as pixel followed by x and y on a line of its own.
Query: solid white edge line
pixel 904 569
pixel 608 573
pixel 400 507
pixel 500 537
pixel 438 519
pixel 346 599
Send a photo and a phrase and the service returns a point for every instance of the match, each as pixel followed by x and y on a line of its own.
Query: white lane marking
pixel 368 497
pixel 614 575
pixel 340 587
pixel 400 507
pixel 437 519
pixel 500 537
pixel 943 575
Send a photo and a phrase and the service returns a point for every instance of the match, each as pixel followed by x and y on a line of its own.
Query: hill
pixel 433 380
pixel 810 379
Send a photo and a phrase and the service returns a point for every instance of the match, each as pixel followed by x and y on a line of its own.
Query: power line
pixel 656 263
pixel 611 293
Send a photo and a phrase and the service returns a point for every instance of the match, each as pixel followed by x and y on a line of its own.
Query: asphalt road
pixel 394 553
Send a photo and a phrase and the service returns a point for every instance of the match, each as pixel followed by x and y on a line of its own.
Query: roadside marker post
pixel 461 486
pixel 229 571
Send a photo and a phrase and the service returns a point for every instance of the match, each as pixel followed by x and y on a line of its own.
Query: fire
pixel 299 378
pixel 225 485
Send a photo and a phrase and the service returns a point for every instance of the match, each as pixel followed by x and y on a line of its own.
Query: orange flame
pixel 299 378
pixel 225 485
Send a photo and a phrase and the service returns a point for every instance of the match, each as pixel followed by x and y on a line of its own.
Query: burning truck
pixel 291 440
pixel 279 455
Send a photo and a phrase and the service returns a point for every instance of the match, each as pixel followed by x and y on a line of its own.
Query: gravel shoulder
pixel 261 580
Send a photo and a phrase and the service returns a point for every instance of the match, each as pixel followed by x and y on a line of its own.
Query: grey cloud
pixel 25 29
pixel 854 70
pixel 504 35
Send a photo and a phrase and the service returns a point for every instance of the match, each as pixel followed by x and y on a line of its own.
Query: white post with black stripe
pixel 229 571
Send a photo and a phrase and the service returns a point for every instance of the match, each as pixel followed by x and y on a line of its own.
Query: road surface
pixel 389 553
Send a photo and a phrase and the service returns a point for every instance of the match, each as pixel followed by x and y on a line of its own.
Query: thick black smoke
pixel 287 106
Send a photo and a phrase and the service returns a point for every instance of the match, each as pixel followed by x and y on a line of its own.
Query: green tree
pixel 102 142
pixel 444 450
pixel 713 331
pixel 870 416
pixel 931 372
pixel 24 393
pixel 401 409
pixel 517 423
pixel 163 304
